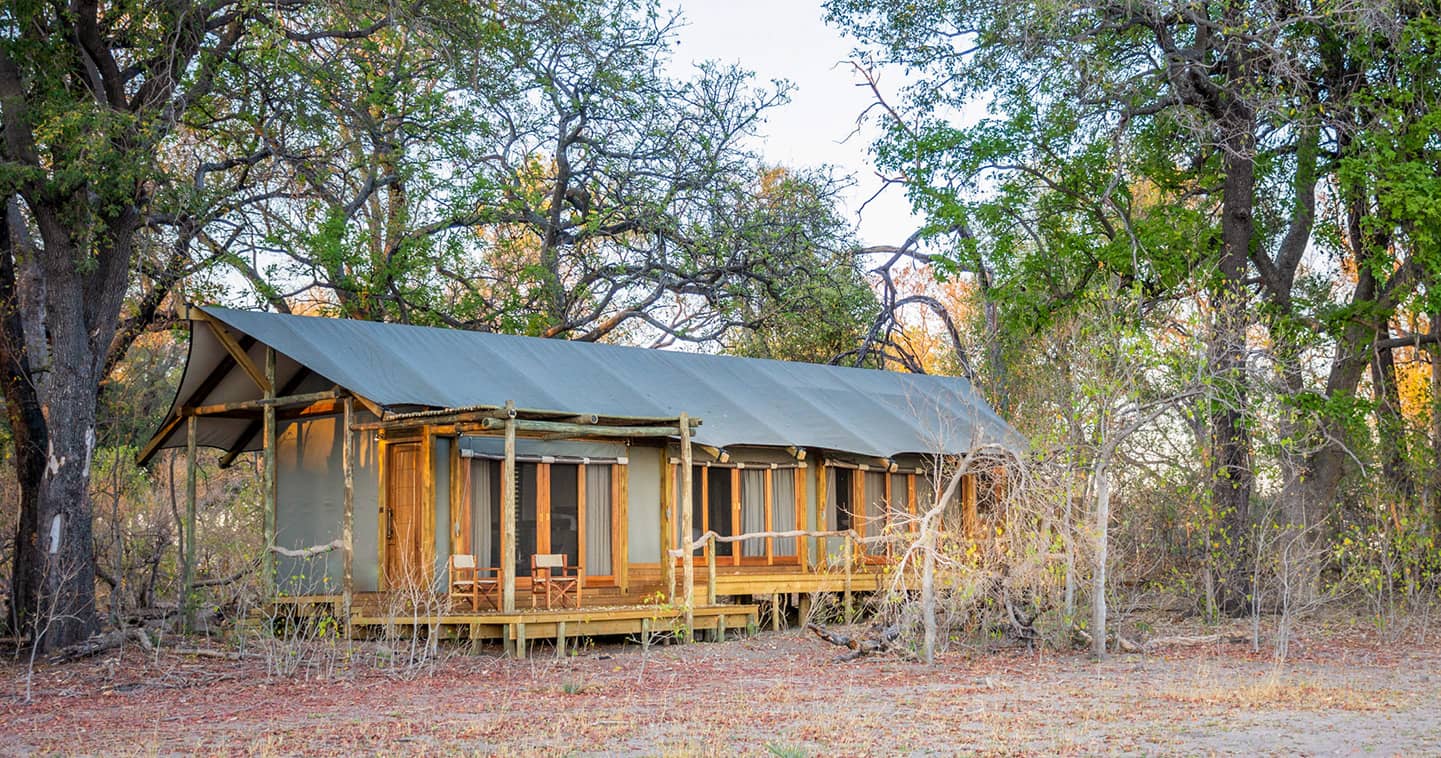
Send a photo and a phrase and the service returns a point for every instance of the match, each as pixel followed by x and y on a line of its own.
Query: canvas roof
pixel 741 401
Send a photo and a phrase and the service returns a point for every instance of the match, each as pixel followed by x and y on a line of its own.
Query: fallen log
pixel 879 640
pixel 101 643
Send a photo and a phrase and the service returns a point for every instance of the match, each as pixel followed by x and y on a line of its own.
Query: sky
pixel 788 39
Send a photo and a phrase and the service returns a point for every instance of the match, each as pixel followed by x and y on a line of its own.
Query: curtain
pixel 783 510
pixel 753 511
pixel 597 520
pixel 831 545
pixel 874 492
pixel 480 512
pixel 900 500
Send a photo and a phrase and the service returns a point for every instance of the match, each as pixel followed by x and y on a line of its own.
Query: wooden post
pixel 822 543
pixel 620 530
pixel 803 521
pixel 970 524
pixel 187 584
pixel 769 516
pixel 507 515
pixel 667 523
pixel 428 515
pixel 520 640
pixel 775 612
pixel 736 547
pixel 710 573
pixel 560 639
pixel 645 635
pixel 849 556
pixel 688 557
pixel 267 443
pixel 347 533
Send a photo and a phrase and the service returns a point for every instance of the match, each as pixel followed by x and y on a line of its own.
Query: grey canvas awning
pixel 743 401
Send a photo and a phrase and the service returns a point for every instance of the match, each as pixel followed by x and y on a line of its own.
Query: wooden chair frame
pixel 474 583
pixel 552 576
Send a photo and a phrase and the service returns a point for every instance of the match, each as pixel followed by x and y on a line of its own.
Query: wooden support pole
pixel 520 640
pixel 720 628
pixel 583 430
pixel 710 573
pixel 970 523
pixel 688 557
pixel 849 557
pixel 769 515
pixel 560 639
pixel 187 584
pixel 775 612
pixel 803 521
pixel 667 526
pixel 620 526
pixel 507 519
pixel 737 548
pixel 347 533
pixel 645 635
pixel 267 452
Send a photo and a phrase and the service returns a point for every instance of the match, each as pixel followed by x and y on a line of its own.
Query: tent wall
pixel 310 503
pixel 440 463
pixel 644 504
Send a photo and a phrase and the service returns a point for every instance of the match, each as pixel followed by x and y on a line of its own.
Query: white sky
pixel 788 39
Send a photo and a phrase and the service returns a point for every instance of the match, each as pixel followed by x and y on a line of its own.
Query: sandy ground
pixel 1341 692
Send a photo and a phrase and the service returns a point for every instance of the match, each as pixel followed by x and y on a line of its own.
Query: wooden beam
pixel 737 548
pixel 187 584
pixel 542 508
pixel 688 556
pixel 507 520
pixel 268 402
pixel 668 521
pixel 382 494
pixel 370 405
pixel 581 430
pixel 254 427
pixel 802 519
pixel 153 446
pixel 581 533
pixel 347 528
pixel 769 515
pixel 267 454
pixel 262 380
pixel 428 511
pixel 620 525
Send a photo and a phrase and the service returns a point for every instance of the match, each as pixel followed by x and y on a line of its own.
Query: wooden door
pixel 403 567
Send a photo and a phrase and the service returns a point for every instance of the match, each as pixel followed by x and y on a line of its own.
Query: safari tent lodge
pixel 497 486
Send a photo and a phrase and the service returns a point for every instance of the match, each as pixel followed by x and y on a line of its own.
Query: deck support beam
pixel 347 528
pixel 187 571
pixel 507 517
pixel 267 448
pixel 688 557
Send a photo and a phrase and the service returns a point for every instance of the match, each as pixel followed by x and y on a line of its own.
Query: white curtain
pixel 597 520
pixel 831 545
pixel 480 512
pixel 753 511
pixel 900 500
pixel 783 510
pixel 874 492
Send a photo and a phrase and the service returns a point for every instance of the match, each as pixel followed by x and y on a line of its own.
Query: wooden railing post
pixel 688 559
pixel 710 571
pixel 849 556
pixel 187 573
pixel 507 514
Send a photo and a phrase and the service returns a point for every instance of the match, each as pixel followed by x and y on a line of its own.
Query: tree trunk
pixel 1098 586
pixel 1230 464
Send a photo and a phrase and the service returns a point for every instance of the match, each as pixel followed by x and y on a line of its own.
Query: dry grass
pixel 775 694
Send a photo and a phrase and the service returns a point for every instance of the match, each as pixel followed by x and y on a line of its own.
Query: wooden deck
pixel 514 629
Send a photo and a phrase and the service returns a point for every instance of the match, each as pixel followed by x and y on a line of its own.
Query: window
pixel 735 500
pixel 560 508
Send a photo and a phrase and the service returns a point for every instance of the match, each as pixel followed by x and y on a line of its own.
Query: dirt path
pixel 773 694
